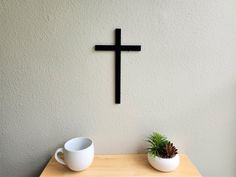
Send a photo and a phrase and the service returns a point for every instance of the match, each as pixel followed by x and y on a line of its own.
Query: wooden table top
pixel 129 165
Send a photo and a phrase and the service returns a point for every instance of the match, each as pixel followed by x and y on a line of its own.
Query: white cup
pixel 78 153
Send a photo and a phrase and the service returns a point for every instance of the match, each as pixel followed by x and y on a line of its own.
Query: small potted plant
pixel 162 154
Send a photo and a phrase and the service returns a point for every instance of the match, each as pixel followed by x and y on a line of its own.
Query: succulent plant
pixel 160 146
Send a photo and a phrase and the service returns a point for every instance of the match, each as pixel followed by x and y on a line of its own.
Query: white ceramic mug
pixel 78 153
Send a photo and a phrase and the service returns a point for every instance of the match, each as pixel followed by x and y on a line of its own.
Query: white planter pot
pixel 164 164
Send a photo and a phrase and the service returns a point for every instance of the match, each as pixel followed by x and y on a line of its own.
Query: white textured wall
pixel 54 86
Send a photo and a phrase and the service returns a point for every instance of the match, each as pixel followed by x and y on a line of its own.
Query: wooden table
pixel 130 165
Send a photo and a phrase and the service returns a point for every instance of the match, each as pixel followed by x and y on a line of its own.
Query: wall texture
pixel 54 86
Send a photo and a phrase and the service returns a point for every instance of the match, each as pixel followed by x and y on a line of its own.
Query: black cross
pixel 118 48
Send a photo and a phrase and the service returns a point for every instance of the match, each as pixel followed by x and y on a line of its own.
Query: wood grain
pixel 130 165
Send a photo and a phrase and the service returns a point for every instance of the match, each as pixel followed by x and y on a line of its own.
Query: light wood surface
pixel 130 165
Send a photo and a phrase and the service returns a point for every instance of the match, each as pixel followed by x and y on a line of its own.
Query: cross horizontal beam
pixel 121 48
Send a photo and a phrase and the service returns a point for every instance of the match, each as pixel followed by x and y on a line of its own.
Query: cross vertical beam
pixel 118 66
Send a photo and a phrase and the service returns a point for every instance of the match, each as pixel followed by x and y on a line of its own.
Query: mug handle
pixel 59 159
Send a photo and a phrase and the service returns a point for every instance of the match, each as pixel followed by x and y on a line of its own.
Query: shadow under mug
pixel 78 153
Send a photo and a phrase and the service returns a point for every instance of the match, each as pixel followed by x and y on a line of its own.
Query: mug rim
pixel 78 138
